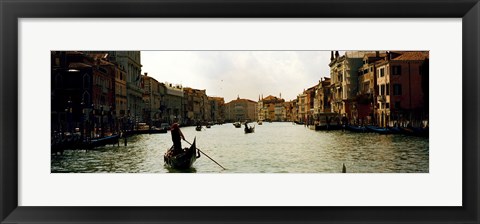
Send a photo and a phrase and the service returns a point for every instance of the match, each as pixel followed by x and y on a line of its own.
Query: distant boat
pixel 419 132
pixel 299 122
pixel 327 127
pixel 103 141
pixel 354 128
pixel 249 129
pixel 327 121
pixel 198 128
pixel 181 159
pixel 378 130
pixel 237 124
pixel 259 122
pixel 395 130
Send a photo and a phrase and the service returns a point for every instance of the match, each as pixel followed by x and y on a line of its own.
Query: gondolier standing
pixel 177 135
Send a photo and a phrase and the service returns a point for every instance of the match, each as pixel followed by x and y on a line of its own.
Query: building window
pixel 397 105
pixel 382 90
pixel 58 81
pixel 382 72
pixel 86 98
pixel 397 89
pixel 387 105
pixel 388 89
pixel 396 70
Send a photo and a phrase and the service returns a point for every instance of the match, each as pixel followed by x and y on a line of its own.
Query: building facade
pixel 196 101
pixel 365 105
pixel 344 77
pixel 217 109
pixel 152 98
pixel 241 110
pixel 322 98
pixel 402 80
pixel 271 108
pixel 82 94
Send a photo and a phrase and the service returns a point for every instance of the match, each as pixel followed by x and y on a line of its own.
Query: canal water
pixel 272 148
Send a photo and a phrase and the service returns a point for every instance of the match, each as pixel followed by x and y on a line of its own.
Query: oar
pixel 206 155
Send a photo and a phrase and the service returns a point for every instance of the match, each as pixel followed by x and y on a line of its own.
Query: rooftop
pixel 412 56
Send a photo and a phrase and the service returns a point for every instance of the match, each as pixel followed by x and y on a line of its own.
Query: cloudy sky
pixel 246 74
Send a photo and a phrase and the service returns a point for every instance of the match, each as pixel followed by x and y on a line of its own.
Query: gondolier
pixel 177 135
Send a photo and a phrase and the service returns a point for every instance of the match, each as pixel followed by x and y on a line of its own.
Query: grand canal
pixel 273 148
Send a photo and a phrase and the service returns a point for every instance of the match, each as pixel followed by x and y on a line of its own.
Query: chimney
pixel 337 54
pixel 331 56
pixel 377 54
pixel 146 74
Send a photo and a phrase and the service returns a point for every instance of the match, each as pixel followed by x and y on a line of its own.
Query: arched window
pixel 86 81
pixel 58 81
pixel 86 98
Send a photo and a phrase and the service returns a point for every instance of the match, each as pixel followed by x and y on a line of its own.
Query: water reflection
pixel 273 148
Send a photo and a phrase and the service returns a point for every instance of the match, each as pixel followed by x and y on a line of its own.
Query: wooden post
pixel 344 168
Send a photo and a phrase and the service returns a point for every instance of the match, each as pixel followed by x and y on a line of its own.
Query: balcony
pixel 337 100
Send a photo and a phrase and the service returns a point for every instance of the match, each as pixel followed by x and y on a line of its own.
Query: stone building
pixel 402 80
pixel 172 103
pixel 344 80
pixel 152 97
pixel 130 62
pixel 241 110
pixel 364 103
pixel 196 101
pixel 322 97
pixel 302 107
pixel 217 109
pixel 82 94
pixel 271 108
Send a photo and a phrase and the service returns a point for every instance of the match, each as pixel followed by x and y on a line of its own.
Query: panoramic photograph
pixel 329 111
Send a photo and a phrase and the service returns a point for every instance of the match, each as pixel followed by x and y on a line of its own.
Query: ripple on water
pixel 273 148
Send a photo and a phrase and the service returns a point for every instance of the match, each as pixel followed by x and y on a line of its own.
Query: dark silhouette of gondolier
pixel 177 135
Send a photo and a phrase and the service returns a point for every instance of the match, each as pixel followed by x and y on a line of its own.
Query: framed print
pixel 37 186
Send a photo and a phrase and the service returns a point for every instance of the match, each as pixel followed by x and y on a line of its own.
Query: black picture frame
pixel 11 11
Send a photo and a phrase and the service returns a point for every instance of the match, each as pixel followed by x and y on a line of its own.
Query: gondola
pixel 198 128
pixel 327 127
pixel 99 142
pixel 249 129
pixel 237 124
pixel 354 128
pixel 181 159
pixel 395 130
pixel 419 132
pixel 378 129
